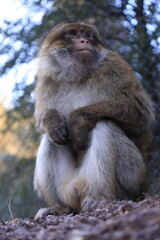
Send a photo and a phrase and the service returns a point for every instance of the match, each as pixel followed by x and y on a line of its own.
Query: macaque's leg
pixel 55 167
pixel 111 161
pixel 130 166
pixel 98 168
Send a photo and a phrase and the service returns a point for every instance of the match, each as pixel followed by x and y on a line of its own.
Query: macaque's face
pixel 78 40
pixel 72 51
pixel 82 44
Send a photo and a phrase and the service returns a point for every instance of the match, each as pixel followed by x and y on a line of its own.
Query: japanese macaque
pixel 95 119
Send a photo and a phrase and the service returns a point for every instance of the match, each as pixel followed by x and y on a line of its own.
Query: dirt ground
pixel 118 220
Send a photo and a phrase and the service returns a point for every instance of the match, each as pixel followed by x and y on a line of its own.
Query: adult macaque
pixel 95 118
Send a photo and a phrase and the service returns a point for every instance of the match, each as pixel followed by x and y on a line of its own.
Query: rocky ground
pixel 118 220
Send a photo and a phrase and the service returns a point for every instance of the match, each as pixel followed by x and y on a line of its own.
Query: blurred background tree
pixel 130 26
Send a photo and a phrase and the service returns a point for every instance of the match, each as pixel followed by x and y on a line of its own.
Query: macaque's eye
pixel 95 39
pixel 86 35
pixel 72 33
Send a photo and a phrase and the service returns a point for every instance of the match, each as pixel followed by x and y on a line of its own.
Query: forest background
pixel 132 27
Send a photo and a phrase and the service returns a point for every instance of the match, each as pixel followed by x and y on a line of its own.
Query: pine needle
pixel 9 207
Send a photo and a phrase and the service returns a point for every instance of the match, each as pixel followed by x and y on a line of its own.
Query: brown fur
pixel 73 102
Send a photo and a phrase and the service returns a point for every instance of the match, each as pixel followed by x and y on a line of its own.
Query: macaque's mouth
pixel 85 50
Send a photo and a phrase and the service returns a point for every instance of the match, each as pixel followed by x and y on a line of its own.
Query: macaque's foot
pixel 54 211
pixel 91 202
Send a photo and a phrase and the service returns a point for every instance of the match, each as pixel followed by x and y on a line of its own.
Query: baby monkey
pixel 95 119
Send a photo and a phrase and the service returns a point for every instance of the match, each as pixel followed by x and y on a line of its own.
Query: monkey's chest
pixel 66 102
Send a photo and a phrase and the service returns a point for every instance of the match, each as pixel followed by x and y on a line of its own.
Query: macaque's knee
pixel 117 164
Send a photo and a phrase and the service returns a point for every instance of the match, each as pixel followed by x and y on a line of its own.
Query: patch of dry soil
pixel 118 220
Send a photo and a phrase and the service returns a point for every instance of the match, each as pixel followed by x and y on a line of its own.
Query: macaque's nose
pixel 83 40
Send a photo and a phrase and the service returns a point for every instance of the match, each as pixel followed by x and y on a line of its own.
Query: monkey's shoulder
pixel 114 62
pixel 114 70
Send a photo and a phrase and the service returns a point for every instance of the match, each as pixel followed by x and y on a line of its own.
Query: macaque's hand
pixel 55 126
pixel 79 128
